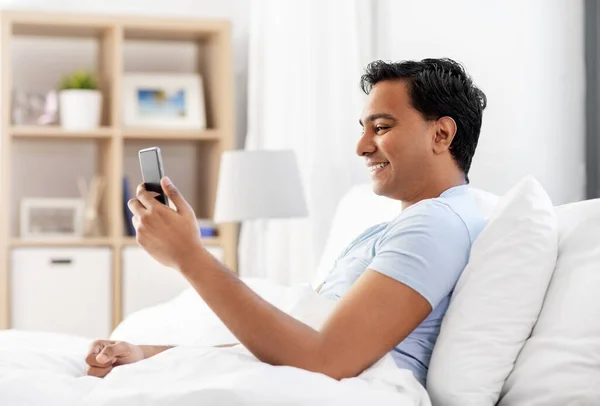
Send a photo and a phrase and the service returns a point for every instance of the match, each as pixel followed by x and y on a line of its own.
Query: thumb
pixel 174 195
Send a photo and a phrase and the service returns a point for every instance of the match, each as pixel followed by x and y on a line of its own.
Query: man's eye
pixel 381 128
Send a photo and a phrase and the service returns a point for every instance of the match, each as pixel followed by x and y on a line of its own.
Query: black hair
pixel 438 88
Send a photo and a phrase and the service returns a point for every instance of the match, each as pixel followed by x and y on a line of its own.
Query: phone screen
pixel 150 166
pixel 152 172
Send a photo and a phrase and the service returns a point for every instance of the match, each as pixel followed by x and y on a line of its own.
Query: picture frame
pixel 164 101
pixel 48 218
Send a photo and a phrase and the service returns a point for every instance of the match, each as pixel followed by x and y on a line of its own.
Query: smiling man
pixel 421 125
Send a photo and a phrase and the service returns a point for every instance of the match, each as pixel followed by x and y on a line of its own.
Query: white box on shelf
pixel 147 283
pixel 49 218
pixel 62 290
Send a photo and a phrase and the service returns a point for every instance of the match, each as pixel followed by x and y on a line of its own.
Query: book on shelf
pixel 127 214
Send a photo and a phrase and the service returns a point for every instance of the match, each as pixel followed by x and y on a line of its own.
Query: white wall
pixel 528 57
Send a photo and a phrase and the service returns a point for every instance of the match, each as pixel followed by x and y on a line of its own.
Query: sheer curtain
pixel 305 61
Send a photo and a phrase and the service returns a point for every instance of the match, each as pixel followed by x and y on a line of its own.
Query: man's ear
pixel 445 130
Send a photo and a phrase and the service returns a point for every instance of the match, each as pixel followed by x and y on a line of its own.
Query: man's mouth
pixel 378 166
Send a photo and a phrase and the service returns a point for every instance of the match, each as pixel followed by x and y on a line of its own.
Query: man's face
pixel 396 141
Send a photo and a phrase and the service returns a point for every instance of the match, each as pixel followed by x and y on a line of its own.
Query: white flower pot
pixel 80 109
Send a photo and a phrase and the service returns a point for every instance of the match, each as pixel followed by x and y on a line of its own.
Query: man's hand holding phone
pixel 165 223
pixel 169 234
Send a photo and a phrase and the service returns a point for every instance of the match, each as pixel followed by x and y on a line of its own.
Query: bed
pixel 45 368
pixel 558 363
pixel 49 369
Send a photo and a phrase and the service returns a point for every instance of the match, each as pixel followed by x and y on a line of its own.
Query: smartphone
pixel 153 171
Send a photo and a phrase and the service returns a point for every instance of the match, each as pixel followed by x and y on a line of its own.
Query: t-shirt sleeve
pixel 426 248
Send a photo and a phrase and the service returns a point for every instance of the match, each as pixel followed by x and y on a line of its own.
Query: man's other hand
pixel 104 355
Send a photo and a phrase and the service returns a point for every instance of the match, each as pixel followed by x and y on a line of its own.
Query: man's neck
pixel 434 188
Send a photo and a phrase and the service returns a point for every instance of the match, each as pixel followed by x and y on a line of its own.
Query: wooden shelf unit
pixel 111 32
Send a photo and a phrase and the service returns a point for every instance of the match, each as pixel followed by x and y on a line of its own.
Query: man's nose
pixel 365 145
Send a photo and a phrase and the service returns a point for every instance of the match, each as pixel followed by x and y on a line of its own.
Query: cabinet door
pixel 147 283
pixel 63 290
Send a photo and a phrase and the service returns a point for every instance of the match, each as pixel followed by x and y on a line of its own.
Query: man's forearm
pixel 270 334
pixel 152 350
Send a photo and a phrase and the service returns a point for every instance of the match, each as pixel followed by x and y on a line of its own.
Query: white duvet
pixel 49 369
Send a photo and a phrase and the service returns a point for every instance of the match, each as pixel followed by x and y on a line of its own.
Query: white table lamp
pixel 259 185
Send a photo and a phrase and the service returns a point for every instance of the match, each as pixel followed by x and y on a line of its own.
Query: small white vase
pixel 80 109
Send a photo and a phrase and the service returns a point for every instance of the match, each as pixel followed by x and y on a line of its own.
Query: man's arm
pixel 374 316
pixel 152 350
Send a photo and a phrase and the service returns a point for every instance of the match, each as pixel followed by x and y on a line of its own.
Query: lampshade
pixel 259 185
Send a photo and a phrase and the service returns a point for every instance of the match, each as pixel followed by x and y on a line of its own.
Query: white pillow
pixel 486 201
pixel 496 301
pixel 560 363
pixel 187 319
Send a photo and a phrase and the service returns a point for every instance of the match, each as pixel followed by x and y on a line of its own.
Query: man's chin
pixel 378 189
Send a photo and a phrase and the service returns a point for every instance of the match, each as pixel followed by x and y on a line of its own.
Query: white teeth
pixel 381 165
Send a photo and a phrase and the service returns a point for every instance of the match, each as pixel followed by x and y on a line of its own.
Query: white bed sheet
pixel 49 369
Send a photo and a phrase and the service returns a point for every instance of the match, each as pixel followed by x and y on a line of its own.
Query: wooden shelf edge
pixel 208 241
pixel 33 131
pixel 76 242
pixel 167 134
pixel 144 27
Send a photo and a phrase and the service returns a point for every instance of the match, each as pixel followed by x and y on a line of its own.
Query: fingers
pixel 99 371
pixel 110 353
pixel 103 356
pixel 146 197
pixel 95 348
pixel 135 206
pixel 175 196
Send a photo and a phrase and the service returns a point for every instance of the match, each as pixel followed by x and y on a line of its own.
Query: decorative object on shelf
pixel 50 218
pixel 91 196
pixel 259 185
pixel 80 102
pixel 34 108
pixel 164 100
pixel 207 227
pixel 127 214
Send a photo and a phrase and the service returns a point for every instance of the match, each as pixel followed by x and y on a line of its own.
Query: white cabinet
pixel 147 283
pixel 64 290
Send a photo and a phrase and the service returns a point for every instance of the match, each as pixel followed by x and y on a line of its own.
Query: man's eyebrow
pixel 374 117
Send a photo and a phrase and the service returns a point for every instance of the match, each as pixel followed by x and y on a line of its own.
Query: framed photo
pixel 164 100
pixel 51 218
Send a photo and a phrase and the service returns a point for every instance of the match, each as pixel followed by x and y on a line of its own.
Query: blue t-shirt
pixel 426 247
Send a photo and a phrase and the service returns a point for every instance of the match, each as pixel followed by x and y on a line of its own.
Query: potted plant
pixel 80 102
